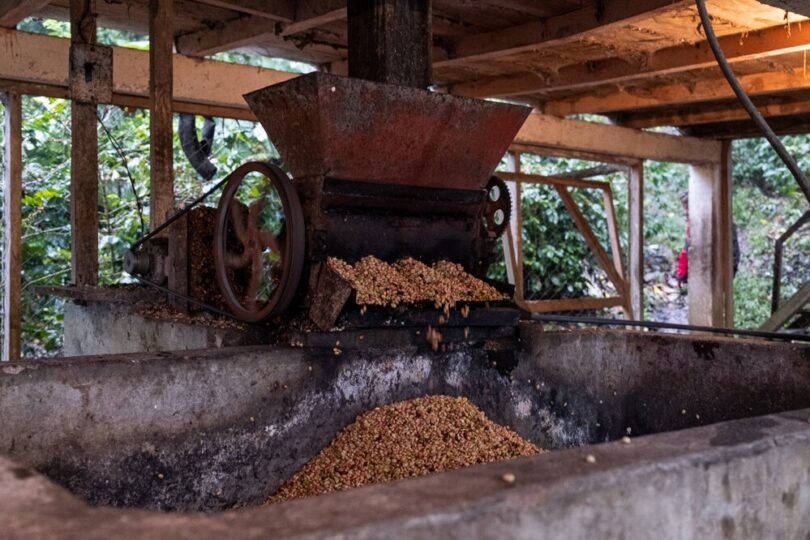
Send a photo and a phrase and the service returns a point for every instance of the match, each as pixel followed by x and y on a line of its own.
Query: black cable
pixel 179 214
pixel 541 317
pixel 124 161
pixel 753 112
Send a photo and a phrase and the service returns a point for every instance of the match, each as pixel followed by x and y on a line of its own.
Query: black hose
pixel 198 151
pixel 749 106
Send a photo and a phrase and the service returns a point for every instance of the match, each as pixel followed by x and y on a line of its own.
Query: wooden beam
pixel 278 10
pixel 714 112
pixel 304 25
pixel 83 160
pixel 14 11
pixel 603 139
pixel 558 30
pixel 794 6
pixel 309 9
pixel 161 131
pixel 785 313
pixel 314 13
pixel 572 304
pixel 613 233
pixel 12 227
pixel 226 36
pixel 564 181
pixel 765 43
pixel 558 151
pixel 38 65
pixel 705 90
pixel 592 241
pixel 798 124
pixel 250 31
pixel 635 235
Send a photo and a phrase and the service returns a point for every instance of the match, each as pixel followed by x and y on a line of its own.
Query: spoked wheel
pixel 259 241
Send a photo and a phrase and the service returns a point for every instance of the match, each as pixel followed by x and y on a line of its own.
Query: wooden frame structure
pixel 643 64
pixel 612 265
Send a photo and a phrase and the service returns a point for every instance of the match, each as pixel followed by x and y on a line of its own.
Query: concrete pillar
pixel 710 258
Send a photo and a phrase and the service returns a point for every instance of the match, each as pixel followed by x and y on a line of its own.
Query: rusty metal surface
pixel 328 298
pixel 324 124
pixel 248 255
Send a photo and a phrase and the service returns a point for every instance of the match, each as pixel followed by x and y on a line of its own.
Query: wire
pixel 749 106
pixel 125 162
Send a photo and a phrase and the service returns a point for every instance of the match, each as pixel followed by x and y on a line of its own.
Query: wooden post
pixel 391 41
pixel 710 264
pixel 726 224
pixel 12 227
pixel 161 43
pixel 635 256
pixel 83 159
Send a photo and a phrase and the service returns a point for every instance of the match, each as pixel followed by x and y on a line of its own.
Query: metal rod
pixel 541 317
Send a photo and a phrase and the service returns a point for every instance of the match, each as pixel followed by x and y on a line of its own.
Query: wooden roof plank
pixel 303 25
pixel 248 31
pixel 279 10
pixel 14 11
pixel 711 113
pixel 743 129
pixel 682 93
pixel 533 35
pixel 764 43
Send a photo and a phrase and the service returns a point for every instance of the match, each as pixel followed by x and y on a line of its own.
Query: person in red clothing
pixel 682 270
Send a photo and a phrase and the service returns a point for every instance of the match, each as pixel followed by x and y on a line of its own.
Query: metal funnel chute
pixel 328 125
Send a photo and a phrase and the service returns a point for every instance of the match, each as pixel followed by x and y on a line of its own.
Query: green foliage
pixel 757 165
pixel 557 262
pixel 664 216
pixel 761 217
pixel 123 183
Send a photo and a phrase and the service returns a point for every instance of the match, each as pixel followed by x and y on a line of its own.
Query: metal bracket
pixel 91 73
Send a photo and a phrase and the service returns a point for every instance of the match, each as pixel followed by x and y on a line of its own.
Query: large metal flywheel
pixel 259 241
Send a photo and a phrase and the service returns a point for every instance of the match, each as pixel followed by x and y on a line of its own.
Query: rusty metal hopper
pixel 353 129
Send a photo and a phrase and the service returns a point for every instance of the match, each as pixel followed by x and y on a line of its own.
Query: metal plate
pixel 91 73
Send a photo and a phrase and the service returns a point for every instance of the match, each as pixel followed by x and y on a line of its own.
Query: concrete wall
pixel 109 328
pixel 215 429
pixel 742 479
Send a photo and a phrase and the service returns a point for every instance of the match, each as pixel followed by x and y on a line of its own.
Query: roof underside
pixel 644 63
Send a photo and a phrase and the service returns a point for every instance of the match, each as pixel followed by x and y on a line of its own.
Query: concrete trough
pixel 721 440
